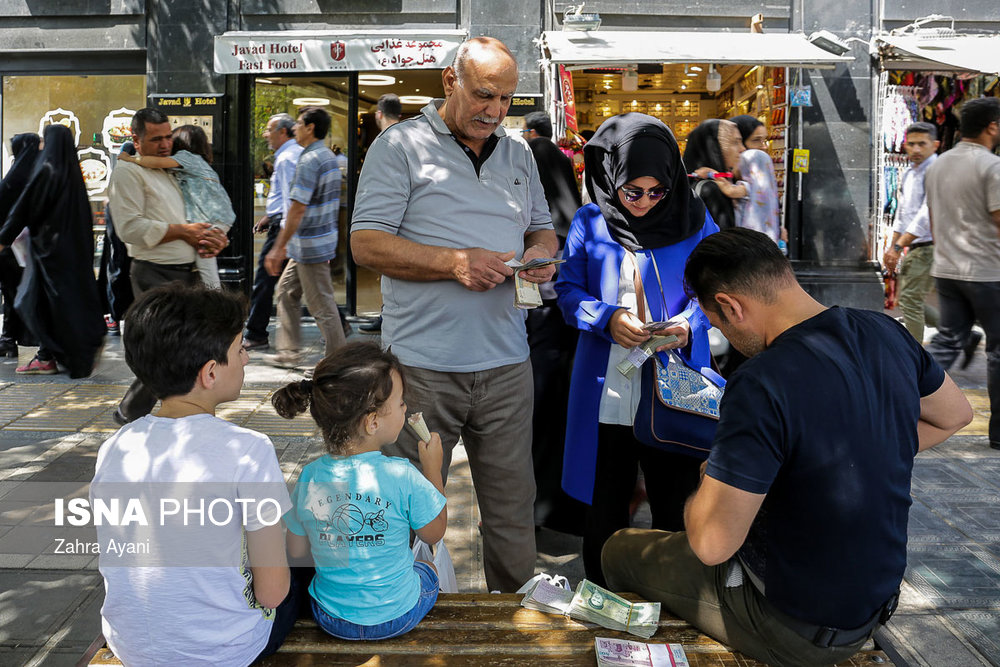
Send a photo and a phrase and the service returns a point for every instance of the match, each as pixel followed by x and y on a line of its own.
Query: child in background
pixel 205 200
pixel 353 507
pixel 207 591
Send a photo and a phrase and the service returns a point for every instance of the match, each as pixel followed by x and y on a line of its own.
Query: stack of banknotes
pixel 597 605
pixel 625 653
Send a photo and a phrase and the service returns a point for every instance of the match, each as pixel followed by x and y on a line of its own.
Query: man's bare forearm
pixel 401 258
pixel 543 237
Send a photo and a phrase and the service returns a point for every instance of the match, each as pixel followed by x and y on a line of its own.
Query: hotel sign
pixel 318 51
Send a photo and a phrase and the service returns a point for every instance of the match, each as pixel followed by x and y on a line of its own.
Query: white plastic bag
pixel 554 579
pixel 441 559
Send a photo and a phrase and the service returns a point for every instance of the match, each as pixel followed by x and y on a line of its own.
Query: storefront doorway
pixel 356 287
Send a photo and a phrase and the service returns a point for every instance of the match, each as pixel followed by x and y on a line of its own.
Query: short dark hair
pixel 977 115
pixel 540 122
pixel 390 106
pixel 318 118
pixel 923 128
pixel 739 261
pixel 172 331
pixel 351 383
pixel 192 139
pixel 144 116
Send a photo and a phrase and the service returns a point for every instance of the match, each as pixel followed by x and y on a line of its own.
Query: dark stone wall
pixel 969 15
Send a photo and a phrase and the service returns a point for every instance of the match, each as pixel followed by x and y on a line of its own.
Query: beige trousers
pixel 311 282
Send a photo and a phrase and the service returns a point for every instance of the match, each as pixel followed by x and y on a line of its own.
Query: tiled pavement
pixel 51 428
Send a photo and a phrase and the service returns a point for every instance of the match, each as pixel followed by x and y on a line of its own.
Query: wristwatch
pixel 138 159
pixel 897 247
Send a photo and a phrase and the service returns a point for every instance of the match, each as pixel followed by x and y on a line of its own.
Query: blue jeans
pixel 397 626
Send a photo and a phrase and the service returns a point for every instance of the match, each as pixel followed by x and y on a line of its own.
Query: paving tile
pixel 957 577
pixel 981 629
pixel 927 526
pixel 21 398
pixel 35 540
pixel 941 474
pixel 34 604
pixel 975 514
pixel 60 562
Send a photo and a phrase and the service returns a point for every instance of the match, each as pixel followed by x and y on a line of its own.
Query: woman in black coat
pixel 58 298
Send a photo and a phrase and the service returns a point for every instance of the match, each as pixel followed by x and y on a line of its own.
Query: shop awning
pixel 967 53
pixel 721 48
pixel 290 51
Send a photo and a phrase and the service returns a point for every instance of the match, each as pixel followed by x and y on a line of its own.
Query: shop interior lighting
pixel 414 99
pixel 714 80
pixel 694 68
pixel 263 81
pixel 311 102
pixel 376 80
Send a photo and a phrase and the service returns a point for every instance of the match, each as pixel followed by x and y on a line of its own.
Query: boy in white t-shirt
pixel 202 577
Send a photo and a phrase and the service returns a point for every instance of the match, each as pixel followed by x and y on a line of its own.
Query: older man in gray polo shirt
pixel 444 200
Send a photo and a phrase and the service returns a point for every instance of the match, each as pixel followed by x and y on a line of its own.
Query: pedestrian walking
pixel 963 196
pixel 24 148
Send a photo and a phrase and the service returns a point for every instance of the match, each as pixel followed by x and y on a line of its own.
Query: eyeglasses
pixel 633 195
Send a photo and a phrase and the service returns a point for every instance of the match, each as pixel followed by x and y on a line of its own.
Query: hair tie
pixel 306 386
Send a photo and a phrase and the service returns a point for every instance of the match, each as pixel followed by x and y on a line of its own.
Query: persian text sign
pixel 278 53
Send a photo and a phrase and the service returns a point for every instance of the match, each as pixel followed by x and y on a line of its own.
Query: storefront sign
pixel 522 105
pixel 117 128
pixel 801 96
pixel 280 53
pixel 96 167
pixel 62 117
pixel 800 160
pixel 200 109
pixel 569 102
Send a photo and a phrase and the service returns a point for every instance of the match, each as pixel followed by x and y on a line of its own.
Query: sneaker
pixel 285 359
pixel 8 348
pixel 251 344
pixel 113 327
pixel 38 367
pixel 969 349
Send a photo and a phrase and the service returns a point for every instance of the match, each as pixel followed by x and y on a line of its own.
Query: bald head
pixel 487 51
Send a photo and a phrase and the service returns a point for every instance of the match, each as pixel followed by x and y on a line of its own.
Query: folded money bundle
pixel 624 653
pixel 418 426
pixel 597 605
pixel 526 293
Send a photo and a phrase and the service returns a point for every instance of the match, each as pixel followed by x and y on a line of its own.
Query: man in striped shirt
pixel 309 241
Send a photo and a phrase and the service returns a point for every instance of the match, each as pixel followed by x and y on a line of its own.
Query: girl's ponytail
pixel 292 399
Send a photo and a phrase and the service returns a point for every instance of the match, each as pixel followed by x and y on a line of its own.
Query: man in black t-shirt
pixel 796 537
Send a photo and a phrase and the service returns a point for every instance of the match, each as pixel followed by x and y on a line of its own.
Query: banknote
pixel 625 653
pixel 543 596
pixel 598 605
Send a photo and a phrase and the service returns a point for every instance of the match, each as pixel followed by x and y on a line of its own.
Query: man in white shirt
pixel 912 230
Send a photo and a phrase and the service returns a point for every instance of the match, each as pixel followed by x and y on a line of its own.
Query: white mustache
pixel 487 119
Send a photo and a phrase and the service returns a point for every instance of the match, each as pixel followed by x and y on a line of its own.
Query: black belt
pixel 274 218
pixel 170 267
pixel 922 244
pixel 825 637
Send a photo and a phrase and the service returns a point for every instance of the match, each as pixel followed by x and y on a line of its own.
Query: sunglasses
pixel 633 195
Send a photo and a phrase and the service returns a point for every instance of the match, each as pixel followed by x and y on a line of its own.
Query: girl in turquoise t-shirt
pixel 353 508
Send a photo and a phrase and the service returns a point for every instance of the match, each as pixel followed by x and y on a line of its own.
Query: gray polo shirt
pixel 963 187
pixel 418 183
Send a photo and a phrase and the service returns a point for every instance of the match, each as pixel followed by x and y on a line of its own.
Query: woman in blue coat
pixel 643 224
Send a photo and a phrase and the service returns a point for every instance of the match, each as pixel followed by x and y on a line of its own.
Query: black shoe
pixel 251 344
pixel 969 349
pixel 372 328
pixel 8 348
pixel 118 417
pixel 995 445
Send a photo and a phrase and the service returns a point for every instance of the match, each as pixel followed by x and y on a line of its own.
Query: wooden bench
pixel 478 630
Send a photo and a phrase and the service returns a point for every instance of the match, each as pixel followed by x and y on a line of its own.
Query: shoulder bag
pixel 678 404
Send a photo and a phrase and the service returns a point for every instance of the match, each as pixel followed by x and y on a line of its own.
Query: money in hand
pixel 526 293
pixel 419 427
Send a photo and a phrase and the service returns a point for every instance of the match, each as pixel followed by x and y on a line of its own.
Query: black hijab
pixel 25 149
pixel 746 125
pixel 703 150
pixel 57 297
pixel 630 146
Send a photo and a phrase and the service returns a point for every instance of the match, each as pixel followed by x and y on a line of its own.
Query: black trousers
pixel 138 400
pixel 262 295
pixel 670 479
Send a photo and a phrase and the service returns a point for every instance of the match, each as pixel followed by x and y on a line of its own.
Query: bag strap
pixel 640 291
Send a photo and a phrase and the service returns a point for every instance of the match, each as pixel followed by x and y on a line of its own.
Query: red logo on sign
pixel 338 50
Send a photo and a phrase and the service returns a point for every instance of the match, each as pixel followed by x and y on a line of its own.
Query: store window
pixel 97 109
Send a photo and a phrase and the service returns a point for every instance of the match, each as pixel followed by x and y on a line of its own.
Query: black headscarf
pixel 57 297
pixel 746 124
pixel 703 150
pixel 25 149
pixel 630 146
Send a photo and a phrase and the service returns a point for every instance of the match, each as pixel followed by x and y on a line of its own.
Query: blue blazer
pixel 588 296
